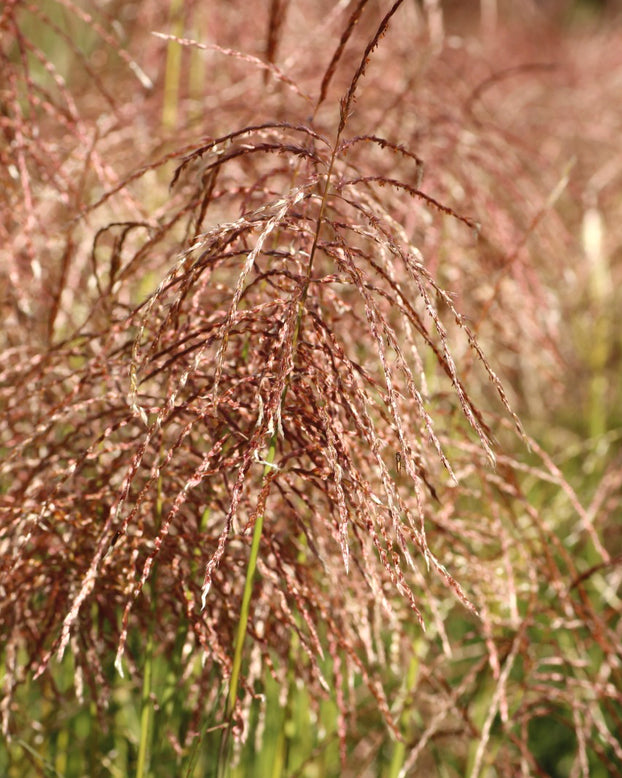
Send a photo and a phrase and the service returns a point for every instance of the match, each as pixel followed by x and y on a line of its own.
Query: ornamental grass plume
pixel 250 433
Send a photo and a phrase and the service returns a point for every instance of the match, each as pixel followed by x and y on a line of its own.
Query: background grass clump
pixel 309 377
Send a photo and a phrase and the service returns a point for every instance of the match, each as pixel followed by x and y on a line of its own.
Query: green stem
pixel 223 757
pixel 146 712
pixel 399 752
pixel 146 707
